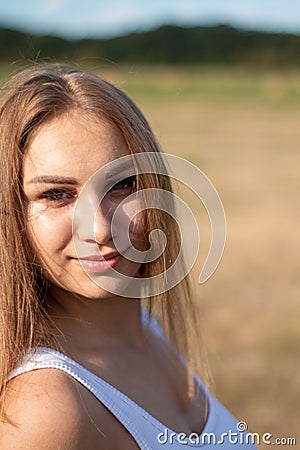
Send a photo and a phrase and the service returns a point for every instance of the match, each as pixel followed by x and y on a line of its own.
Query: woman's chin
pixel 93 289
pixel 97 285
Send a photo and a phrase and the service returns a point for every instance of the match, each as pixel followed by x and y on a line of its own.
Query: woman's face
pixel 60 158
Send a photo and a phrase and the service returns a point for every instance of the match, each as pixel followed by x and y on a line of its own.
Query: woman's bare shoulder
pixel 51 410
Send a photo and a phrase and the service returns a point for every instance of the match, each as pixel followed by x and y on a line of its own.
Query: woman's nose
pixel 102 224
pixel 93 221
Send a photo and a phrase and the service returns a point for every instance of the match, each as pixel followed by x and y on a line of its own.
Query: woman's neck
pixel 101 324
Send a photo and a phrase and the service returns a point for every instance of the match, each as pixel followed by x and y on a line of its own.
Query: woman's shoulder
pixel 48 409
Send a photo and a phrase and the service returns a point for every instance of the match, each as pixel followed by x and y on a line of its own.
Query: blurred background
pixel 219 82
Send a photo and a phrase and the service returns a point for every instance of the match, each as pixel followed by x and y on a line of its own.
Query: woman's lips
pixel 99 263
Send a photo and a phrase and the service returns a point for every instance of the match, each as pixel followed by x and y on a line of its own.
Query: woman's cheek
pixel 50 230
pixel 137 232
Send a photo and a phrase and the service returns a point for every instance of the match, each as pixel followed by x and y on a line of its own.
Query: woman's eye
pixel 123 187
pixel 58 196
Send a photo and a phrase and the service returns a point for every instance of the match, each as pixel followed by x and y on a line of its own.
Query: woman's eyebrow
pixel 52 180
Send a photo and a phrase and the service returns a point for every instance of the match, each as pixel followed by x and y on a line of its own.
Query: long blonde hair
pixel 31 97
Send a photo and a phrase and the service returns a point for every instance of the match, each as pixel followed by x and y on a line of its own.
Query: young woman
pixel 117 369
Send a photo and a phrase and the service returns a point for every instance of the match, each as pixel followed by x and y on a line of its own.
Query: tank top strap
pixel 122 407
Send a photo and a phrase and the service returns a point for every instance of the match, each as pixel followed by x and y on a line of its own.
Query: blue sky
pixel 97 18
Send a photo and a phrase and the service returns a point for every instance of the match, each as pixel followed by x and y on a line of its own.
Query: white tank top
pixel 221 429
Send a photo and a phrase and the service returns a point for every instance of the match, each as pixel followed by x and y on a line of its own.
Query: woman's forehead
pixel 72 145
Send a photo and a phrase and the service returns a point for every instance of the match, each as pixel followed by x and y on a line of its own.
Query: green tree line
pixel 167 44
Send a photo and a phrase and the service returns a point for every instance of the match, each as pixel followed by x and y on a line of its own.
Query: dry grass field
pixel 242 128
